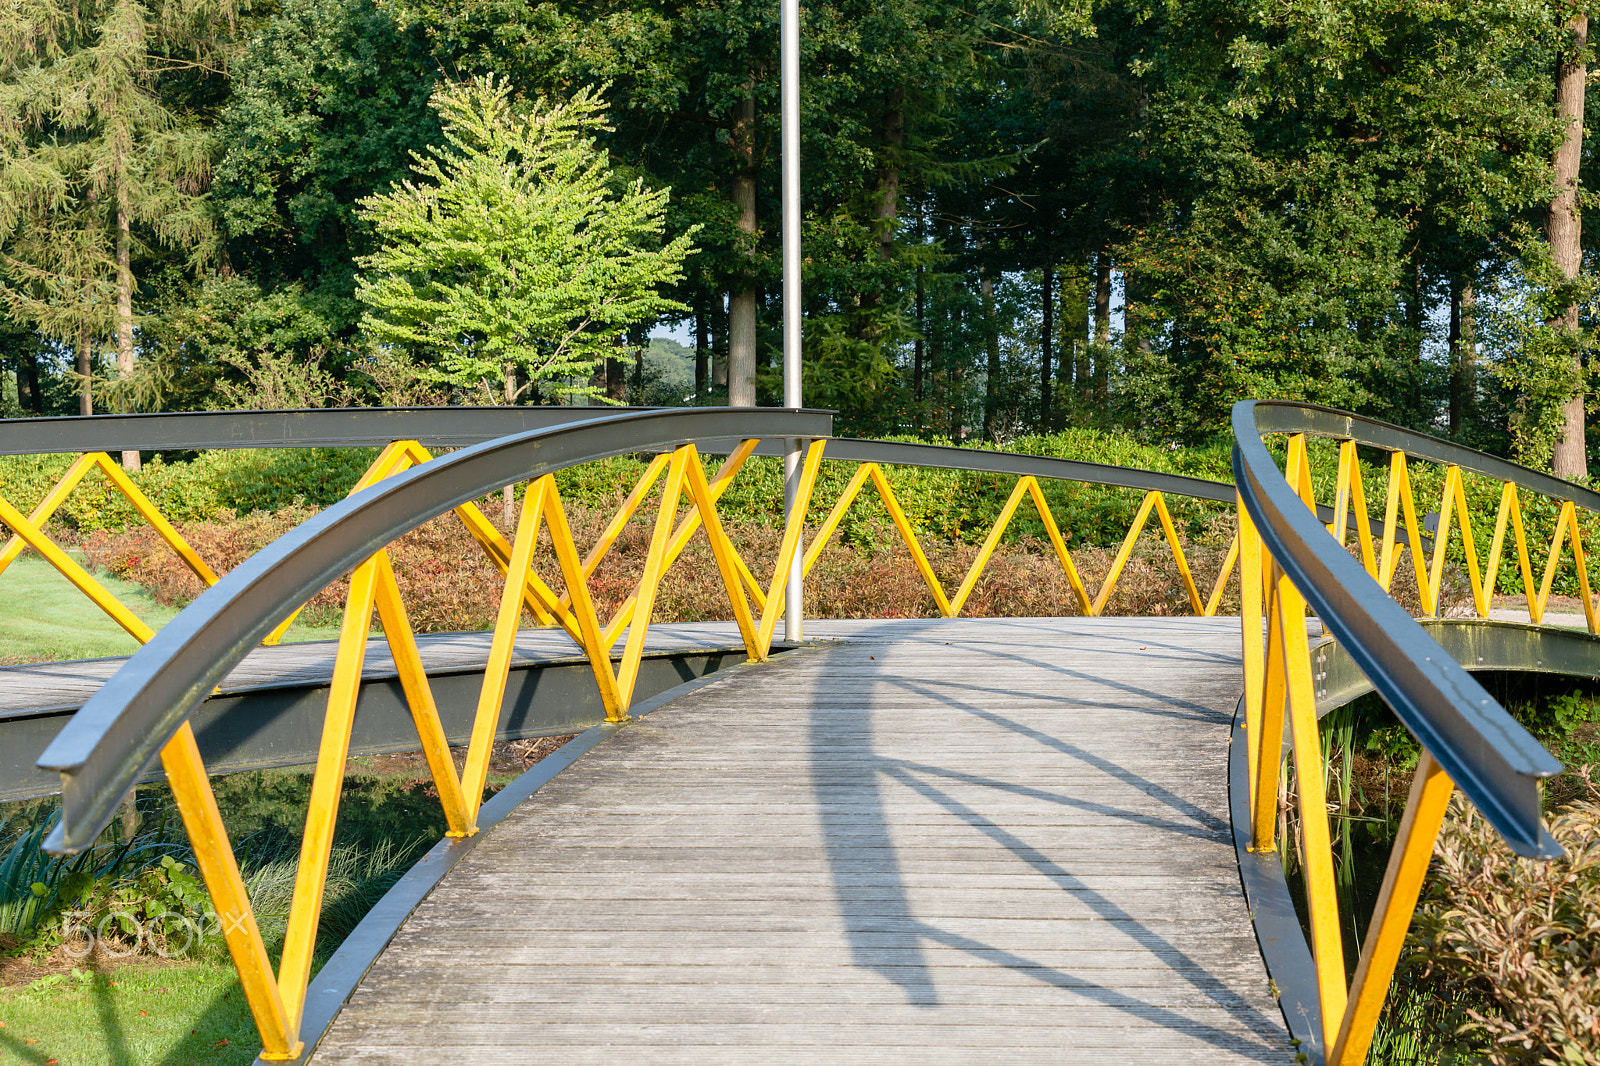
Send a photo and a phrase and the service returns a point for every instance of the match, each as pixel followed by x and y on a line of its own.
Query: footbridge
pixel 934 840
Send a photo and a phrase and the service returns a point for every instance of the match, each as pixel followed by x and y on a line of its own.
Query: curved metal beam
pixel 121 730
pixel 1280 416
pixel 1491 758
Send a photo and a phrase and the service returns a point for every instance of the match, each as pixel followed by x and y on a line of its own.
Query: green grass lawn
pixel 150 1014
pixel 44 618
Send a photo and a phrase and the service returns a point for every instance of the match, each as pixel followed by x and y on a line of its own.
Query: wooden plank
pixel 932 841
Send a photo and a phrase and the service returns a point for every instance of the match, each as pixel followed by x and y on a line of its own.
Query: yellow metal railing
pixel 1280 693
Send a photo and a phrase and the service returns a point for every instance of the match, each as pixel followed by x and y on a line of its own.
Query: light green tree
pixel 515 251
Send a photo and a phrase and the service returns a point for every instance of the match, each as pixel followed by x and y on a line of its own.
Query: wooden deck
pixel 930 842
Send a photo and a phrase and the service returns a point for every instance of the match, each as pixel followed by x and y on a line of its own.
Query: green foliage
pixel 517 248
pixel 242 480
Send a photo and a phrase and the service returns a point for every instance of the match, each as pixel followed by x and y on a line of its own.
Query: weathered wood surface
pixel 933 842
pixel 39 686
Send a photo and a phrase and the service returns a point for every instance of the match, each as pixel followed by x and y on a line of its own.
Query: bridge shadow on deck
pixel 886 934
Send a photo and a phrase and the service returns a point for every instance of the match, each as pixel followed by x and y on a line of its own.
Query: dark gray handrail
pixel 323 427
pixel 1491 758
pixel 1279 416
pixel 120 731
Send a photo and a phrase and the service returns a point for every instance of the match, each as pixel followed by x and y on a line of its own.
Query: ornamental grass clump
pixel 1521 938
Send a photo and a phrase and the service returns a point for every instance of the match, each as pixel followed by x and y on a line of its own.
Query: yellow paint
pixel 1511 510
pixel 501 647
pixel 1061 548
pixel 1124 552
pixel 721 549
pixel 48 506
pixel 1222 578
pixel 903 524
pixel 990 543
pixel 835 516
pixel 588 624
pixel 1391 916
pixel 419 698
pixel 148 510
pixel 786 552
pixel 1177 555
pixel 680 539
pixel 1453 503
pixel 1322 901
pixel 650 579
pixel 30 535
pixel 1252 637
pixel 1268 740
pixel 305 910
pixel 213 854
pixel 619 521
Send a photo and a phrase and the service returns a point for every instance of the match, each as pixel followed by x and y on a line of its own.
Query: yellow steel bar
pixel 583 611
pixel 1177 554
pixel 721 549
pixel 47 506
pixel 1441 535
pixel 1469 545
pixel 691 521
pixel 835 516
pixel 619 521
pixel 1579 559
pixel 213 854
pixel 305 909
pixel 898 515
pixel 990 543
pixel 1408 504
pixel 791 544
pixel 491 694
pixel 1298 472
pixel 1566 513
pixel 1491 568
pixel 1124 552
pixel 419 698
pixel 1391 509
pixel 1358 500
pixel 1059 544
pixel 540 600
pixel 1269 738
pixel 650 579
pixel 1222 578
pixel 157 520
pixel 1252 636
pixel 1341 491
pixel 1391 916
pixel 34 538
pixel 1322 901
pixel 394 457
pixel 1523 562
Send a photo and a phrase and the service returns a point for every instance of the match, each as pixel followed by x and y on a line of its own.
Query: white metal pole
pixel 789 62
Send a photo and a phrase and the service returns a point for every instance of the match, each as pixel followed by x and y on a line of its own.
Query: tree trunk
pixel 1563 228
pixel 85 374
pixel 1102 298
pixel 888 198
pixel 28 396
pixel 130 459
pixel 1076 285
pixel 742 305
pixel 917 345
pixel 991 341
pixel 1047 329
pixel 719 343
pixel 702 351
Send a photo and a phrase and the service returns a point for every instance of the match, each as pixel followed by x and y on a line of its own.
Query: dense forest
pixel 1017 216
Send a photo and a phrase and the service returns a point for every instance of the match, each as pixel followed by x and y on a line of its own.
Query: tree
pixel 1564 230
pixel 93 160
pixel 516 251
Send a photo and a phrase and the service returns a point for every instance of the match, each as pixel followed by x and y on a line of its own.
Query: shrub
pixel 1519 935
